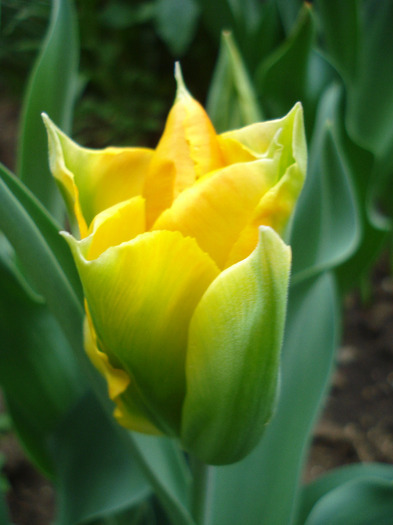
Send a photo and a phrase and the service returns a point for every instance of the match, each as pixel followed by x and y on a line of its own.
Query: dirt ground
pixel 356 425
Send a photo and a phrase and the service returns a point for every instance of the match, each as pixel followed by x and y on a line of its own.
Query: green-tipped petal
pixel 141 295
pixel 93 180
pixel 233 352
pixel 257 138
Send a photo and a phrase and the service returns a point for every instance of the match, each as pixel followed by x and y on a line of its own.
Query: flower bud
pixel 184 272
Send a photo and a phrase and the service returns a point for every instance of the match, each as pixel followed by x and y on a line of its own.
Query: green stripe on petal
pixel 141 296
pixel 233 352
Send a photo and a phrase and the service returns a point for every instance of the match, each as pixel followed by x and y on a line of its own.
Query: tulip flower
pixel 185 272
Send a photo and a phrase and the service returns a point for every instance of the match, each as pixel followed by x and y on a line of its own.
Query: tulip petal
pixel 141 296
pixel 187 150
pixel 93 180
pixel 120 388
pixel 278 203
pixel 233 354
pixel 120 223
pixel 217 208
pixel 274 210
pixel 256 139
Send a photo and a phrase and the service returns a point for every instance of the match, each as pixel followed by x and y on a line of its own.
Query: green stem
pixel 201 492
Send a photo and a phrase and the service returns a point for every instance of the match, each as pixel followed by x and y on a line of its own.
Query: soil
pixel 356 425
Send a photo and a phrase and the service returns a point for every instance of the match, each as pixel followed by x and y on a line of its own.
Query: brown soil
pixel 357 423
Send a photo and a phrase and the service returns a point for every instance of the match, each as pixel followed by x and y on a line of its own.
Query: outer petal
pixel 187 150
pixel 120 388
pixel 217 208
pixel 233 354
pixel 93 180
pixel 141 296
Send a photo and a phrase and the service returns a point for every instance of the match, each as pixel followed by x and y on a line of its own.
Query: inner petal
pixel 217 208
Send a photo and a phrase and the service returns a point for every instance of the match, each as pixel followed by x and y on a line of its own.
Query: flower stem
pixel 201 492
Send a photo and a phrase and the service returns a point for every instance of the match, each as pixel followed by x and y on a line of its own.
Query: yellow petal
pixel 120 223
pixel 141 296
pixel 93 180
pixel 217 208
pixel 120 388
pixel 278 203
pixel 187 150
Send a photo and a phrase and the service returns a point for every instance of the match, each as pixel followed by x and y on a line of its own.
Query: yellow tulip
pixel 185 273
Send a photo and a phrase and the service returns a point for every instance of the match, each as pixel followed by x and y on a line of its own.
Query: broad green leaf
pixel 281 77
pixel 364 173
pixel 52 89
pixel 326 224
pixel 263 487
pixel 370 100
pixel 176 23
pixel 96 476
pixel 232 102
pixel 289 11
pixel 266 34
pixel 45 260
pixel 218 16
pixel 316 490
pixel 103 469
pixel 165 467
pixel 255 24
pixel 47 226
pixel 340 25
pixel 358 502
pixel 39 375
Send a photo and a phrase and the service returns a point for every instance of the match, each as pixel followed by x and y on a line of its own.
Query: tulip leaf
pixel 110 469
pixel 30 230
pixel 360 502
pixel 281 78
pixel 364 171
pixel 232 102
pixel 52 89
pixel 370 100
pixel 318 489
pixel 216 24
pixel 341 34
pixel 165 468
pixel 38 372
pixel 289 11
pixel 176 23
pixel 96 475
pixel 47 226
pixel 255 24
pixel 326 224
pixel 263 487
